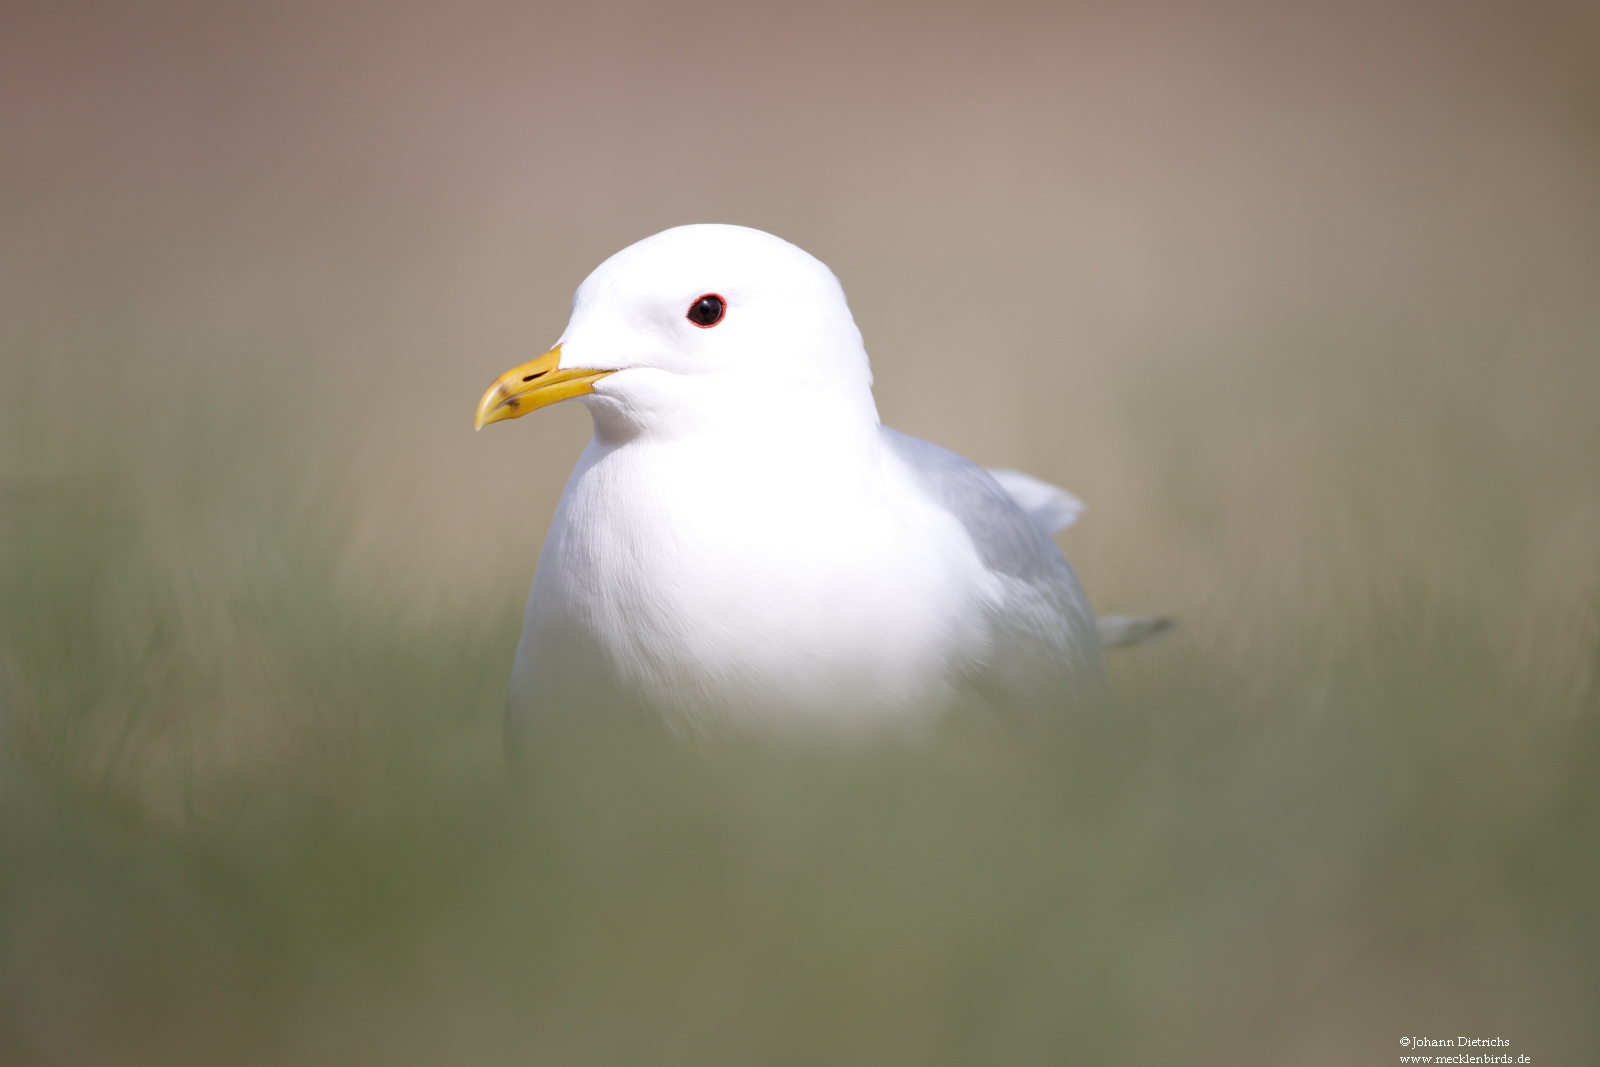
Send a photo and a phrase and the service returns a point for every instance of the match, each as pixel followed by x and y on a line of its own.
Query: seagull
pixel 743 543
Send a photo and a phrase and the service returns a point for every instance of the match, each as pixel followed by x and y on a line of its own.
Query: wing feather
pixel 1043 618
pixel 1050 506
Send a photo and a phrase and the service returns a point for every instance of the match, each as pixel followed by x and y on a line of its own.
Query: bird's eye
pixel 707 311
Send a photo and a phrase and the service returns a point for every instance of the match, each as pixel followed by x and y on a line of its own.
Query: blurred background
pixel 1303 300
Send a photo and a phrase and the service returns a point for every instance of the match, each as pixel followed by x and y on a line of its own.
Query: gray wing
pixel 1047 644
pixel 1053 509
pixel 1049 506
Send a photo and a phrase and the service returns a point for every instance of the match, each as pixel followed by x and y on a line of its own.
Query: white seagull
pixel 742 542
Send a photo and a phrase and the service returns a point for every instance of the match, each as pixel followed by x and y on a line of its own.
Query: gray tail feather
pixel 1124 631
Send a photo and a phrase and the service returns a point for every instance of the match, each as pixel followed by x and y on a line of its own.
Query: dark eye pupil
pixel 707 311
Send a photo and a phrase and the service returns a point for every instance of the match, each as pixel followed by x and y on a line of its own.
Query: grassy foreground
pixel 264 823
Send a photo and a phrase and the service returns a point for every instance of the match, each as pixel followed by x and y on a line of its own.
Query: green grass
pixel 263 821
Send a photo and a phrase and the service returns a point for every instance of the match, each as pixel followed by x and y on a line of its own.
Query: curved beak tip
pixel 531 386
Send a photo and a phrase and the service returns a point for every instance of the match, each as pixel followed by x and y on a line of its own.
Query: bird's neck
pixel 823 423
pixel 776 462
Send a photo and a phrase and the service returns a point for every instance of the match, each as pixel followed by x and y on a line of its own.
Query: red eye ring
pixel 707 310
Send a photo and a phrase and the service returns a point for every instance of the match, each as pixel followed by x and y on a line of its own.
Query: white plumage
pixel 741 541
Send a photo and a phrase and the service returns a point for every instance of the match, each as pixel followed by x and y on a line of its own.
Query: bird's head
pixel 695 326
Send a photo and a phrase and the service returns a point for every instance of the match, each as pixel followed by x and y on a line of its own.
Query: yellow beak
pixel 533 385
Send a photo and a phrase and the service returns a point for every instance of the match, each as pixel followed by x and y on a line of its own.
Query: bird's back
pixel 1046 646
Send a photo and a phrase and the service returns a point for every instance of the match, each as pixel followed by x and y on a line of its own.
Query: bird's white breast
pixel 714 575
